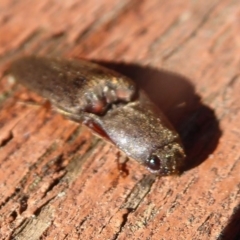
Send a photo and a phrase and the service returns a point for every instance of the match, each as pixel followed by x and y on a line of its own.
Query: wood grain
pixel 58 181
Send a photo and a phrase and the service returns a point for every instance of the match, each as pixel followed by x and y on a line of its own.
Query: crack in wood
pixel 23 204
pixel 133 200
pixel 124 221
pixel 10 197
pixel 35 224
pixel 7 139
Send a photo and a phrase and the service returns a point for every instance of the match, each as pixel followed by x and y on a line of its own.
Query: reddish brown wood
pixel 58 181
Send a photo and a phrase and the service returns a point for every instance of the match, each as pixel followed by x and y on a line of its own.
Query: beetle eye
pixel 153 163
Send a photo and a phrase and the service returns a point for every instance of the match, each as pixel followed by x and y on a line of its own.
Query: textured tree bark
pixel 59 181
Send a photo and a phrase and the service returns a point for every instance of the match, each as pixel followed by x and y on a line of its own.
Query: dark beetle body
pixel 108 103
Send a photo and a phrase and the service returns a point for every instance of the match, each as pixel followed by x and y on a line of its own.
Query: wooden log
pixel 58 181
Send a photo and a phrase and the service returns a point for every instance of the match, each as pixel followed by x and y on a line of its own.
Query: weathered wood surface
pixel 58 181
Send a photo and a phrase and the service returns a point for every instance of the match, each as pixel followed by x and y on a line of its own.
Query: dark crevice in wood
pixel 75 164
pixel 40 208
pixel 77 148
pixel 83 221
pixel 26 221
pixel 124 221
pixel 74 135
pixel 23 204
pixel 138 192
pixel 6 140
pixel 55 164
pixel 10 197
pixel 13 215
pixel 122 166
pixel 47 153
pixel 134 198
pixel 19 229
pixel 54 183
pixel 205 229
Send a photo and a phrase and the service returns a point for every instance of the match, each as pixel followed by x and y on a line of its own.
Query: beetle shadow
pixel 174 94
pixel 232 230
